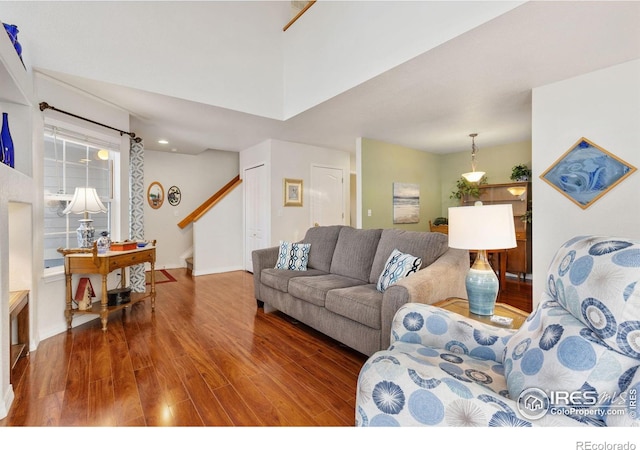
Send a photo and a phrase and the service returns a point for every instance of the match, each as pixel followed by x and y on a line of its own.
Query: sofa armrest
pixel 442 279
pixel 262 258
pixel 438 328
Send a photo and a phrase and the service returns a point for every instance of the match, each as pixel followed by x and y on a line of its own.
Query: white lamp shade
pixel 482 227
pixel 473 177
pixel 85 200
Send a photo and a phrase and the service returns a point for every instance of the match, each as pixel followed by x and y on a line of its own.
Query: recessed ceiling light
pixel 163 141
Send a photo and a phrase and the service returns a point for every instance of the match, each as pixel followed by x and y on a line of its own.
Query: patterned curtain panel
pixel 136 209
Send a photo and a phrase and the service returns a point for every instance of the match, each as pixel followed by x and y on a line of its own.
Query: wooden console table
pixel 88 261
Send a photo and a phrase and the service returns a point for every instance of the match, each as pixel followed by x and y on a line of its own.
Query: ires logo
pixel 534 403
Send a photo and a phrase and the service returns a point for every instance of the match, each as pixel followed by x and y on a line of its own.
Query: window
pixel 74 160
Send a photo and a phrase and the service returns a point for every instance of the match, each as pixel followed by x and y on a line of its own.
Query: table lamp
pixel 481 228
pixel 85 201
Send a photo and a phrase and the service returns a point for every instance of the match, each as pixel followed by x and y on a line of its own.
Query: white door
pixel 327 196
pixel 256 212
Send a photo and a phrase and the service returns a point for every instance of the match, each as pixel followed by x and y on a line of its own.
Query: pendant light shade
pixel 474 176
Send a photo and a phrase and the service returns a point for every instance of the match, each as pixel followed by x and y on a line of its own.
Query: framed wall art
pixel 586 172
pixel 406 203
pixel 292 192
pixel 155 195
pixel 174 195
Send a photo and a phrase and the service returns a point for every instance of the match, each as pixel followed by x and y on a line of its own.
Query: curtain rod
pixel 45 105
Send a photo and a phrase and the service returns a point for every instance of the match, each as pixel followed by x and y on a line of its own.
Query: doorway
pixel 327 196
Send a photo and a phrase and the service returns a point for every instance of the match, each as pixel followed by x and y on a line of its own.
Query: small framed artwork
pixel 174 195
pixel 586 172
pixel 406 203
pixel 155 195
pixel 292 192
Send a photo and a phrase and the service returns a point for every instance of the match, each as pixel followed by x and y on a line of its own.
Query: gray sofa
pixel 337 294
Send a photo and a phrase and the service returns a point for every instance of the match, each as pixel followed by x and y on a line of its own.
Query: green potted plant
pixel 520 173
pixel 467 189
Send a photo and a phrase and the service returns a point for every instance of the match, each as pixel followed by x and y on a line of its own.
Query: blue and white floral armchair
pixel 574 362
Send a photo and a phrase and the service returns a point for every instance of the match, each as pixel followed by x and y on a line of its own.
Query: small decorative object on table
pixel 103 243
pixel 123 246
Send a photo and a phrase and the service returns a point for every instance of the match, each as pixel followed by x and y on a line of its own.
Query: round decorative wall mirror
pixel 155 195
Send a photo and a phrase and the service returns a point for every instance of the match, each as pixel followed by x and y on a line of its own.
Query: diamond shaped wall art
pixel 586 172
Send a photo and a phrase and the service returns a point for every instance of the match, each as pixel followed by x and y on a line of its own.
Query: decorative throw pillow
pixel 293 256
pixel 398 266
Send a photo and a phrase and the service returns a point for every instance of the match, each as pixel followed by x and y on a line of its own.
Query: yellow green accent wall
pixel 497 162
pixel 382 164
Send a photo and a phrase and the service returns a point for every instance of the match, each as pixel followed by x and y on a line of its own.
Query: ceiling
pixel 478 82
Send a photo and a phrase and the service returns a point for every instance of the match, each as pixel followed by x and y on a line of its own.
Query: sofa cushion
pixel 354 253
pixel 323 243
pixel 314 289
pixel 399 265
pixel 279 279
pixel 359 303
pixel 293 256
pixel 423 244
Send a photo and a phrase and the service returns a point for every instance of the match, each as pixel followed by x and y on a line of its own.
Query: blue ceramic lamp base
pixel 482 286
pixel 85 233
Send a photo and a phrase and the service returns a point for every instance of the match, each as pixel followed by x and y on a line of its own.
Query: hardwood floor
pixel 207 357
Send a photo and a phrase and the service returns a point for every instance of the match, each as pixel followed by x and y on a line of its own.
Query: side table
pixel 88 261
pixel 461 306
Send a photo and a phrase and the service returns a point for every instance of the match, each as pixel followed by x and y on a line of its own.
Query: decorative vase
pixel 103 243
pixel 7 142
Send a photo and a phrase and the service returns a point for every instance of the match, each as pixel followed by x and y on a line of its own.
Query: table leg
pixel 153 286
pixel 104 301
pixel 68 314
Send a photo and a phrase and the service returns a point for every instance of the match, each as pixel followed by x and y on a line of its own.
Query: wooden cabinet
pixel 519 196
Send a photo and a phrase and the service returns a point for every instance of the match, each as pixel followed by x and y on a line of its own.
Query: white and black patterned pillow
pixel 293 256
pixel 398 266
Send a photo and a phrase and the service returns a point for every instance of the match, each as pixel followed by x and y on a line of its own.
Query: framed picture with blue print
pixel 586 172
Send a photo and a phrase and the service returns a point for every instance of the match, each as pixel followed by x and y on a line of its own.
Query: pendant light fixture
pixel 473 176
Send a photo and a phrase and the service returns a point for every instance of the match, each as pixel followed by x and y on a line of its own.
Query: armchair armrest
pixel 438 328
pixel 442 279
pixel 261 259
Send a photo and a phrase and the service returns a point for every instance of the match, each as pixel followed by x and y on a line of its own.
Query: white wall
pixel 337 45
pixel 293 160
pixel 604 107
pixel 218 237
pixel 234 42
pixel 198 177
